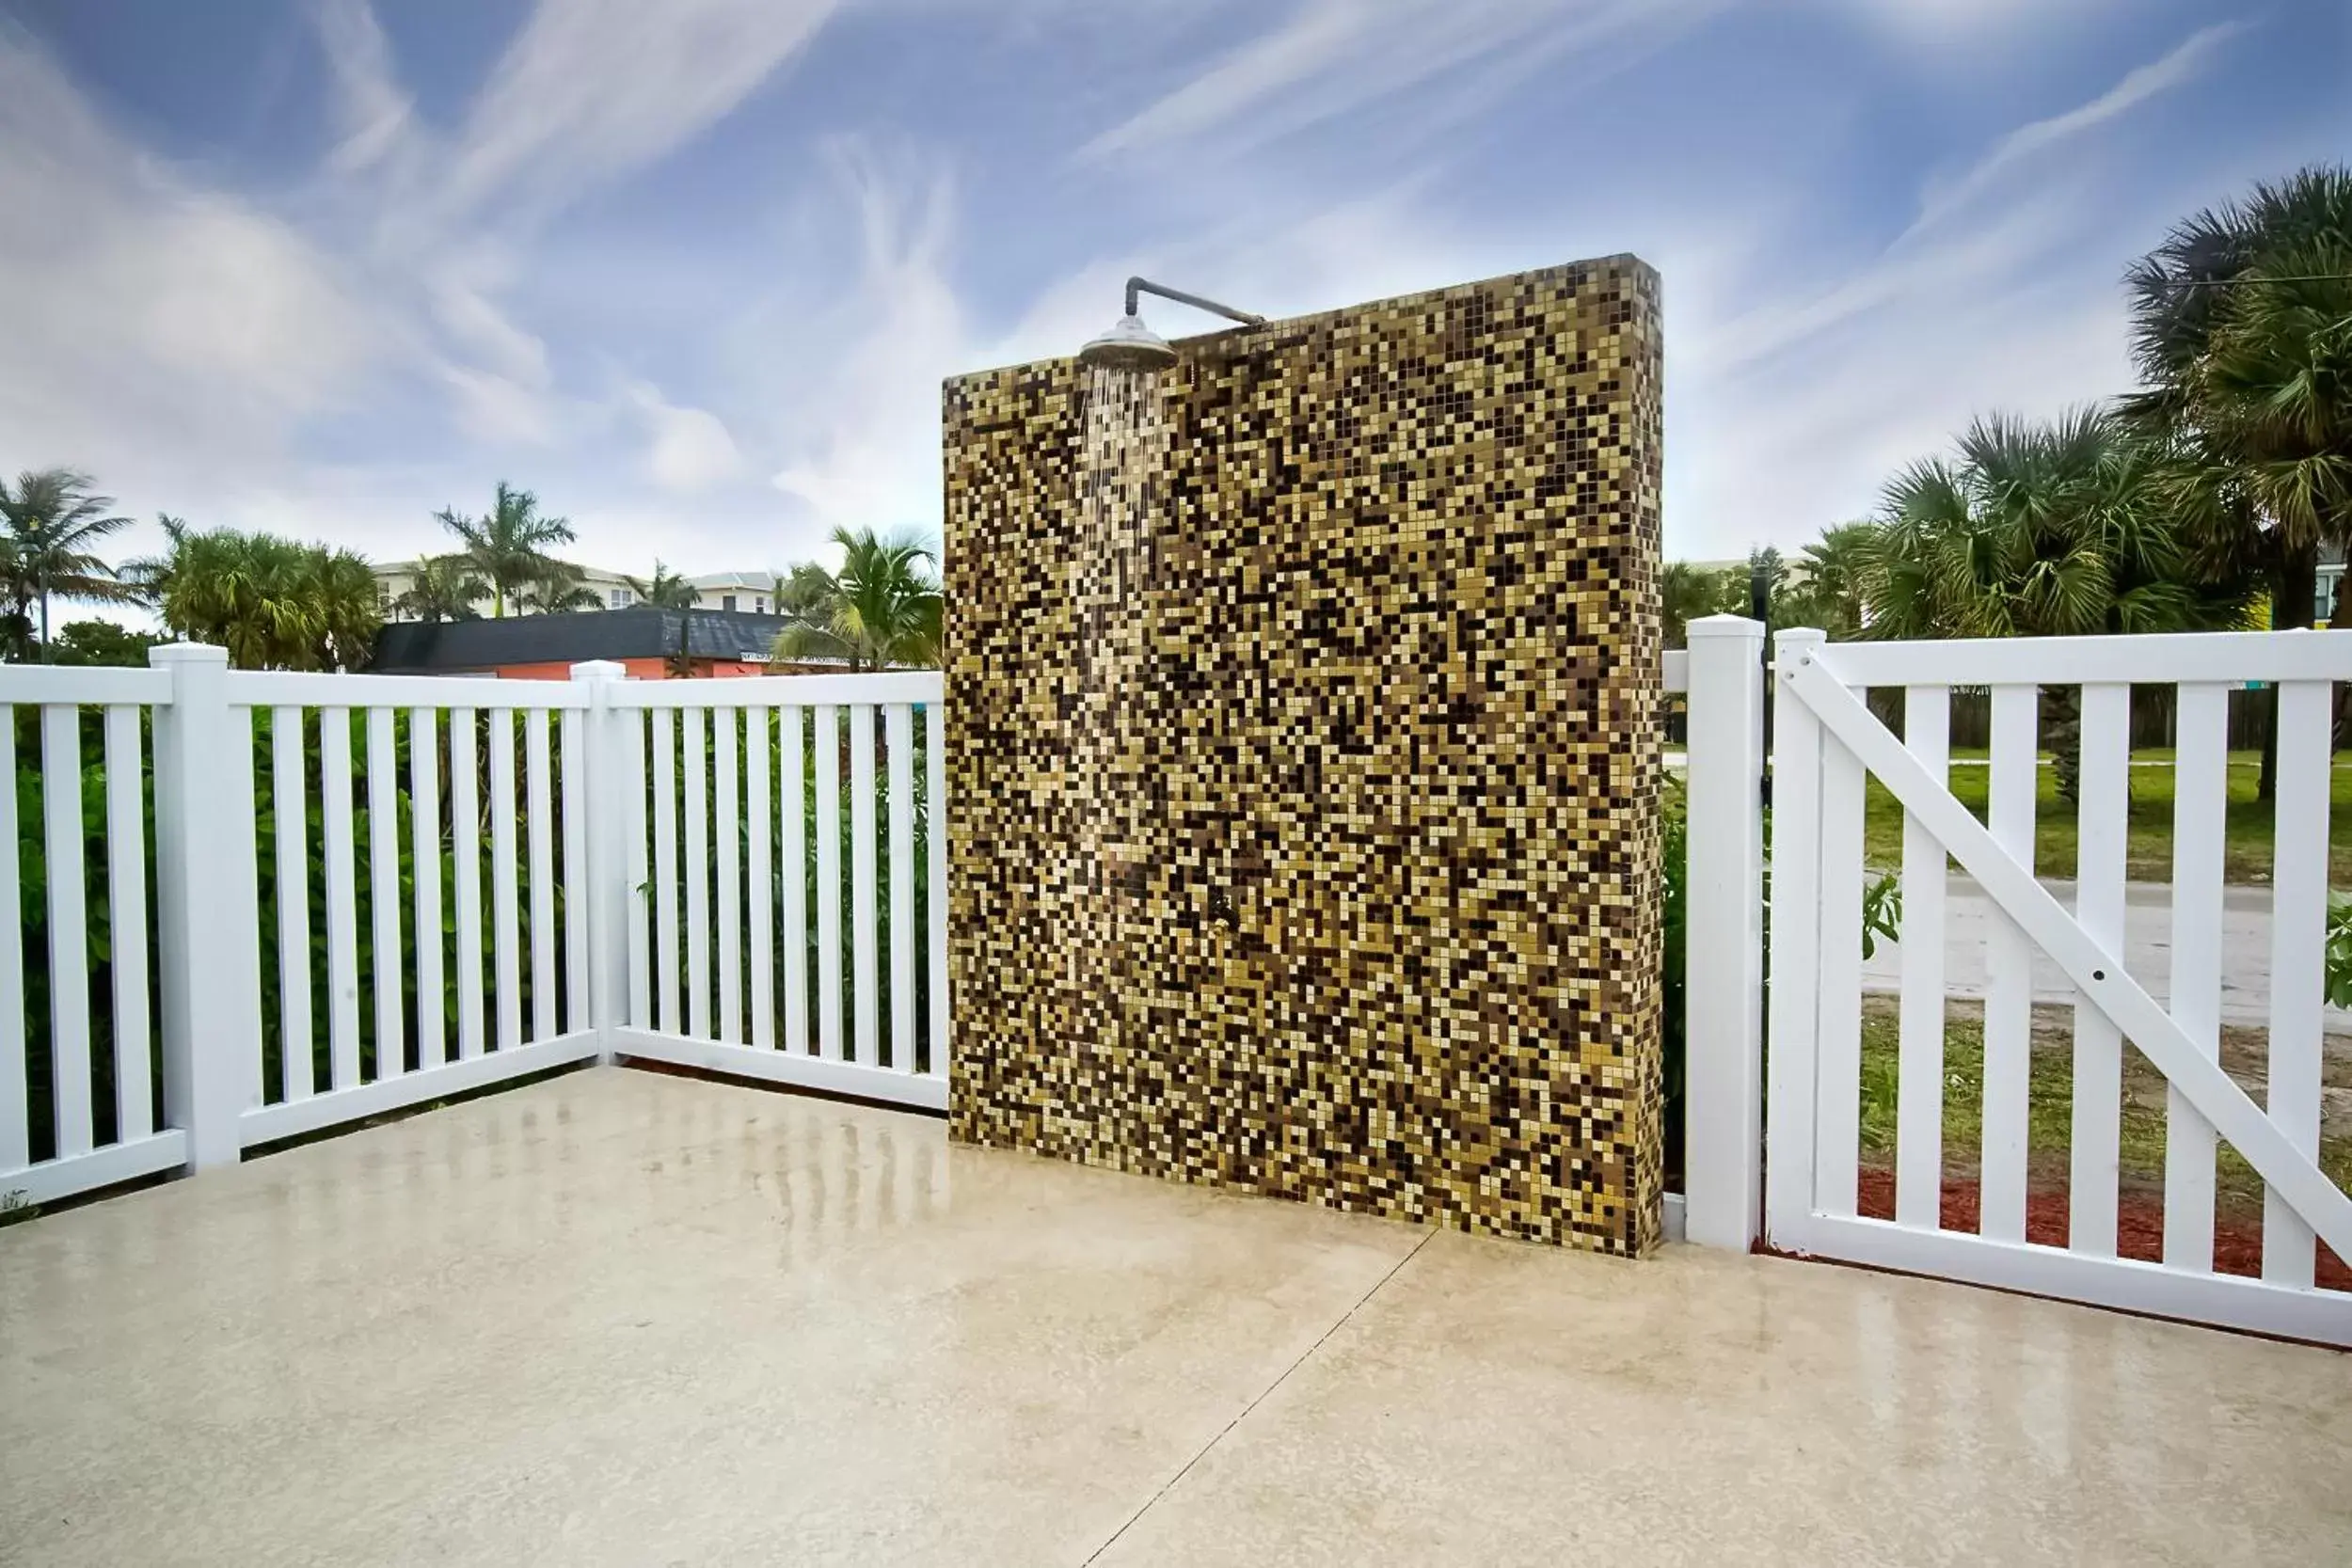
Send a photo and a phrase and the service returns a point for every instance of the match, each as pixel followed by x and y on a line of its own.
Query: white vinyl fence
pixel 363 892
pixel 785 921
pixel 254 906
pixel 1827 745
pixel 414 829
pixel 81 1103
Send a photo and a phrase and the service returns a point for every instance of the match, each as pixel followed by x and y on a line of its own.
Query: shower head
pixel 1131 345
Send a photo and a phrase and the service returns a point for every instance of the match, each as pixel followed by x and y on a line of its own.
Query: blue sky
pixel 693 270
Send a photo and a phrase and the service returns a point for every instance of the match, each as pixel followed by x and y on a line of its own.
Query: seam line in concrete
pixel 1305 1355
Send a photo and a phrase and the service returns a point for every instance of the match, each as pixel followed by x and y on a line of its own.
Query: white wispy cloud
pixel 586 93
pixel 1330 57
pixel 2177 67
pixel 372 110
pixel 152 322
pixel 1946 28
pixel 185 336
pixel 689 451
pixel 1934 255
pixel 861 444
pixel 593 89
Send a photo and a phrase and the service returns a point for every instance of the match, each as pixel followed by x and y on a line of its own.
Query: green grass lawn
pixel 2050 1101
pixel 2148 850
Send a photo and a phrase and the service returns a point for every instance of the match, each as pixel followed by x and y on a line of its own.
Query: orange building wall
pixel 637 668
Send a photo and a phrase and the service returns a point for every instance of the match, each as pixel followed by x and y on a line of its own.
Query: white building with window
pixel 753 593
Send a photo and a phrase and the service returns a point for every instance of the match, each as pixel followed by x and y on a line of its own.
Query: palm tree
pixel 882 607
pixel 274 603
pixel 665 589
pixel 53 516
pixel 556 589
pixel 443 589
pixel 1833 591
pixel 2242 330
pixel 1685 592
pixel 2037 530
pixel 509 544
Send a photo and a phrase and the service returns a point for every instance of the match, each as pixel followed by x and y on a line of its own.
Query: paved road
pixel 2148 935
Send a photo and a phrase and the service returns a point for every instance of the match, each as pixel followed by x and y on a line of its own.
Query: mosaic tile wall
pixel 1302 765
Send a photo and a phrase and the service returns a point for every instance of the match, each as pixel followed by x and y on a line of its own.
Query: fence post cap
pixel 1739 627
pixel 599 669
pixel 187 653
pixel 1800 636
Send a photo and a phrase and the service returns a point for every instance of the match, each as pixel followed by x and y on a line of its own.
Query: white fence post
pixel 609 894
pixel 207 921
pixel 1724 935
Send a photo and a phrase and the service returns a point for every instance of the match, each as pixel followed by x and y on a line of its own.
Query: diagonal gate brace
pixel 2096 973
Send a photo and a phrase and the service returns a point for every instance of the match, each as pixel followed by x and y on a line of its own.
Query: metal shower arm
pixel 1145 286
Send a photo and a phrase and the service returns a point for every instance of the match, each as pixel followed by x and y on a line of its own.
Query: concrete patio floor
pixel 623 1318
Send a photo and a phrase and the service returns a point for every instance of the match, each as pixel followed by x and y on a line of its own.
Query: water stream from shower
pixel 1110 581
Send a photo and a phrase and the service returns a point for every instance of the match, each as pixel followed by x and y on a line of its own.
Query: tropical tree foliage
pixel 1688 592
pixel 53 517
pixel 665 589
pixel 1832 577
pixel 2242 327
pixel 882 608
pixel 274 603
pixel 510 546
pixel 445 588
pixel 556 589
pixel 91 643
pixel 2036 530
pixel 2242 330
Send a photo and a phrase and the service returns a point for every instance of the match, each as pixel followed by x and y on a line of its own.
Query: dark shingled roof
pixel 428 647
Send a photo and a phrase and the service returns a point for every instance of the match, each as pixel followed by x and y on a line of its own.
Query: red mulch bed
pixel 2238 1238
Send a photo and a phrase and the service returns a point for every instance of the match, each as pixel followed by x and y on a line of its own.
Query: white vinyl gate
pixel 1826 744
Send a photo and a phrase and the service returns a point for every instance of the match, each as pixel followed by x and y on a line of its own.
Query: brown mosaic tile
pixel 1303 774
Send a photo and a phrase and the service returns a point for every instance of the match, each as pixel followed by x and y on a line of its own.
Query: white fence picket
pixel 342 902
pixel 296 1033
pixel 633 873
pixel 1920 1062
pixel 539 805
pixel 666 866
pixel 1837 1086
pixel 866 969
pixel 698 870
pixel 2104 819
pixel 505 897
pixel 573 740
pixel 899 739
pixel 424 822
pixel 15 1104
pixel 2305 723
pixel 793 828
pixel 2201 789
pixel 729 824
pixel 126 899
pixel 760 814
pixel 69 937
pixel 2009 971
pixel 385 971
pixel 1797 745
pixel 464 796
pixel 828 763
pixel 935 809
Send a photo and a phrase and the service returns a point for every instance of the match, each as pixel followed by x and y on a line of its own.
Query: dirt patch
pixel 2237 1241
pixel 2142 1120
